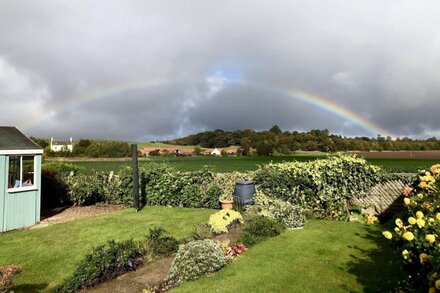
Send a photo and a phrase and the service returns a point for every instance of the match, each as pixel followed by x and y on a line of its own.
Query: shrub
pixel 416 234
pixel 194 259
pixel 54 190
pixel 282 211
pixel 63 169
pixel 160 245
pixel 323 186
pixel 260 229
pixel 223 219
pixel 104 263
pixel 6 275
pixel 202 232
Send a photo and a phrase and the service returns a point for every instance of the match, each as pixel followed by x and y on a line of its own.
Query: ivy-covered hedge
pixel 322 186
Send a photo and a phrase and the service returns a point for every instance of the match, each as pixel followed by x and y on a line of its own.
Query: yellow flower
pixel 423 184
pixel 430 238
pixel 396 230
pixel 437 216
pixel 387 234
pixel 412 220
pixel 399 223
pixel 408 236
pixel 424 257
pixel 427 173
pixel 437 284
pixel 419 215
pixel 405 254
pixel 431 220
pixel 420 195
pixel 420 223
pixel 432 290
pixel 406 201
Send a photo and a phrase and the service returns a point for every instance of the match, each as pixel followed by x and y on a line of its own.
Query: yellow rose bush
pixel 416 233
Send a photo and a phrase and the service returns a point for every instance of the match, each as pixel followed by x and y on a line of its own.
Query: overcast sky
pixel 148 70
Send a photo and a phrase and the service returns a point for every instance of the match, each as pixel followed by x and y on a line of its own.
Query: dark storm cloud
pixel 219 65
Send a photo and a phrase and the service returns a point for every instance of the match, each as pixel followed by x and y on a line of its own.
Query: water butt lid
pixel 244 182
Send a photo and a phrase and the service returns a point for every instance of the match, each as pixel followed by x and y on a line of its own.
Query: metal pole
pixel 134 157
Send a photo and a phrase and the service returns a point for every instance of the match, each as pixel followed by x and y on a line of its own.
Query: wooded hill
pixel 275 140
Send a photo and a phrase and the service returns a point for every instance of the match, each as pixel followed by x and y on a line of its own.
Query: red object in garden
pixel 237 249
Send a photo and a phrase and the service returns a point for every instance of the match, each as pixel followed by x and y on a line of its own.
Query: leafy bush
pixel 54 190
pixel 260 229
pixel 160 245
pixel 278 210
pixel 202 232
pixel 63 169
pixel 416 234
pixel 194 259
pixel 6 275
pixel 104 263
pixel 223 219
pixel 323 186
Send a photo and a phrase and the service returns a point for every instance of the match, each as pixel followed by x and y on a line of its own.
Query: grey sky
pixel 143 70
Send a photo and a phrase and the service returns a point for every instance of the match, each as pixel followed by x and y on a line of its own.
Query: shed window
pixel 21 171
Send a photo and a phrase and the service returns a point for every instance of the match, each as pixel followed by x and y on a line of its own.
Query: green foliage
pixel 282 211
pixel 63 169
pixel 416 234
pixel 101 148
pixel 259 229
pixel 223 219
pixel 166 186
pixel 195 259
pixel 323 186
pixel 226 182
pixel 103 263
pixel 159 245
pixel 202 232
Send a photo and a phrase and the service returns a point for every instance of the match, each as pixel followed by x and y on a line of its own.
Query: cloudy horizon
pixel 144 70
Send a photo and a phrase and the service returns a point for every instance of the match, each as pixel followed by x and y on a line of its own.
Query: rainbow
pixel 121 89
pixel 336 110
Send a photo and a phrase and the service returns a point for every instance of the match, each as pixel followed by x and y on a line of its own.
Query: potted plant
pixel 226 201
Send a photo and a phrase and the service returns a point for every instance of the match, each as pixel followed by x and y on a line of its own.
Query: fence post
pixel 134 157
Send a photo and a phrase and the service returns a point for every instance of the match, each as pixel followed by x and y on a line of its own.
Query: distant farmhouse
pixel 61 145
pixel 157 151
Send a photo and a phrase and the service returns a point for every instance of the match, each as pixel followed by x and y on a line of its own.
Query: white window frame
pixel 23 188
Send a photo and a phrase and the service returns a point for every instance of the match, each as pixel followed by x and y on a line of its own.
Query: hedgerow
pixel 321 186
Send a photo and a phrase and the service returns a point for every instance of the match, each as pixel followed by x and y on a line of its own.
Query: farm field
pixel 325 256
pixel 229 164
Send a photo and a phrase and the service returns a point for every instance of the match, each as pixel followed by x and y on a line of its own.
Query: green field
pixel 229 164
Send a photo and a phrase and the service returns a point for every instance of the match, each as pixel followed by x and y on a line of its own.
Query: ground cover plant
pixel 49 255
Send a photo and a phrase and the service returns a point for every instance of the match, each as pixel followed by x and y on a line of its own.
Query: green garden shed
pixel 20 180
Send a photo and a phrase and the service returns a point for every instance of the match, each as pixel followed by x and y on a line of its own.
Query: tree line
pixel 88 148
pixel 275 140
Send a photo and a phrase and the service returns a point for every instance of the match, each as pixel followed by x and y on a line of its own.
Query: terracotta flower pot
pixel 226 204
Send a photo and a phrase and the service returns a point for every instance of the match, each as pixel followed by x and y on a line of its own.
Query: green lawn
pixel 326 256
pixel 229 164
pixel 48 255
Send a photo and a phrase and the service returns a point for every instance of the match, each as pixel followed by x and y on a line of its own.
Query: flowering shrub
pixel 194 259
pixel 416 235
pixel 322 186
pixel 223 219
pixel 282 211
pixel 6 275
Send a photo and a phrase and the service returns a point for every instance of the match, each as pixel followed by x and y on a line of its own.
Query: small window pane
pixel 28 171
pixel 14 172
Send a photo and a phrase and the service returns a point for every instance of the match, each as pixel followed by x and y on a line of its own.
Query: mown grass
pixel 48 255
pixel 229 164
pixel 326 256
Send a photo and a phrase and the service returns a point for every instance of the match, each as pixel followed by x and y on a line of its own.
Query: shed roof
pixel 12 139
